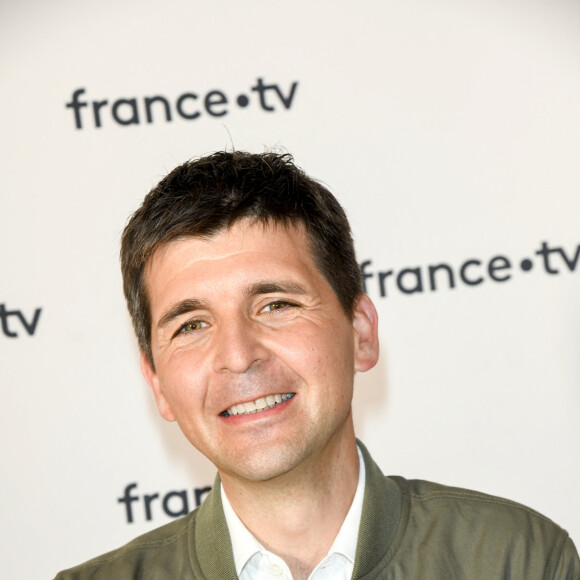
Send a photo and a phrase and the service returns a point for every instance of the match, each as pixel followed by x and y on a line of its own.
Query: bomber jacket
pixel 410 530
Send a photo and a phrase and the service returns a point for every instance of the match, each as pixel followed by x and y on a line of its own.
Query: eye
pixel 192 326
pixel 277 305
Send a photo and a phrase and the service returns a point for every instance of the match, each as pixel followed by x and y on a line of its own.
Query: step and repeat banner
pixel 449 131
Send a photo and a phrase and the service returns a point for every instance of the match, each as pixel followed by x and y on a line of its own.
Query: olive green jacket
pixel 410 530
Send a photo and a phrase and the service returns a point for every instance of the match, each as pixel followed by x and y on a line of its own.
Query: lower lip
pixel 234 419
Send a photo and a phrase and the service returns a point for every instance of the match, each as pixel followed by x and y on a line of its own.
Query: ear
pixel 365 321
pixel 153 381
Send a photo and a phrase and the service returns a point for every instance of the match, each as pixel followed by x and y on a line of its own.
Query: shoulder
pixel 165 548
pixel 195 546
pixel 444 500
pixel 477 531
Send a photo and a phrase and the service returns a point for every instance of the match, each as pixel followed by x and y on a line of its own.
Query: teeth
pixel 261 404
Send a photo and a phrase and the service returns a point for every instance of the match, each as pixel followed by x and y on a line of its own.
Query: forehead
pixel 244 247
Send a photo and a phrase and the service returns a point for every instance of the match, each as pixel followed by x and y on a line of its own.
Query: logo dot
pixel 526 265
pixel 243 101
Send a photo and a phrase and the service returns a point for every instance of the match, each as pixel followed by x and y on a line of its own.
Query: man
pixel 241 280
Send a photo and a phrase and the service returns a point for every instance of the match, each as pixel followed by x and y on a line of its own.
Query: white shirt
pixel 254 562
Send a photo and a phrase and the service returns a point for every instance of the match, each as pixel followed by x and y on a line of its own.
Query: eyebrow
pixel 260 287
pixel 182 307
pixel 268 287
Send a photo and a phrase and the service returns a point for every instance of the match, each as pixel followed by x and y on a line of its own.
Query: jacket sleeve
pixel 568 565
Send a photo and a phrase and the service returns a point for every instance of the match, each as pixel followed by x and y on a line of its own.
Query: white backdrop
pixel 450 131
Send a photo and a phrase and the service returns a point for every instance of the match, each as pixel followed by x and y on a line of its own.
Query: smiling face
pixel 254 356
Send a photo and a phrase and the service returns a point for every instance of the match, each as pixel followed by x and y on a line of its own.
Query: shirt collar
pixel 347 538
pixel 244 544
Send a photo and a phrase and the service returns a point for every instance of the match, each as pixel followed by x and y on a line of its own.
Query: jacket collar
pixel 383 509
pixel 380 529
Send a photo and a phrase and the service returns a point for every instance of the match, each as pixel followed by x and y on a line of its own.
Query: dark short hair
pixel 208 195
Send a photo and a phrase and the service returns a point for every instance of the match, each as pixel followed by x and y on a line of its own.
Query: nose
pixel 239 346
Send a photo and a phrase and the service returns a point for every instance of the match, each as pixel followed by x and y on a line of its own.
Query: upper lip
pixel 275 395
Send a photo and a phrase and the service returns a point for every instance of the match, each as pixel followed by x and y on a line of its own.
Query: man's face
pixel 254 356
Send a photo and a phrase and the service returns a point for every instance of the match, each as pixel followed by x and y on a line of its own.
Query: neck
pixel 298 515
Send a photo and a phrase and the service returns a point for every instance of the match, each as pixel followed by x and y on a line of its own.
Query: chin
pixel 263 466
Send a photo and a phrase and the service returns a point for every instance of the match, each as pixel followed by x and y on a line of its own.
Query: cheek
pixel 318 354
pixel 298 350
pixel 182 383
